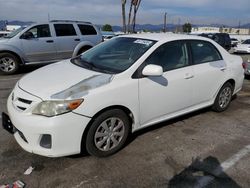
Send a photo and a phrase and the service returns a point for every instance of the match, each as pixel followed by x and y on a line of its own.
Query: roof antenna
pixel 48 17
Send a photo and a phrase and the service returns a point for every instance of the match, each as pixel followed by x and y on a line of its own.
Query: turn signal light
pixel 73 105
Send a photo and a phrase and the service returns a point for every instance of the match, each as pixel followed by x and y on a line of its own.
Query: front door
pixel 39 46
pixel 166 95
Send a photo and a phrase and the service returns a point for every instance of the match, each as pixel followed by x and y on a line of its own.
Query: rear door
pixel 40 46
pixel 209 70
pixel 89 33
pixel 66 39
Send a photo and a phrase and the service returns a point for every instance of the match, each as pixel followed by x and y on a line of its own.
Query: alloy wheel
pixel 109 134
pixel 7 64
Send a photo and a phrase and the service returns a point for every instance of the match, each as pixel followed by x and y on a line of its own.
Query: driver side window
pixel 39 31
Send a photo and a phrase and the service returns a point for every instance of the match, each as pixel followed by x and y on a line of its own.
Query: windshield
pixel 246 42
pixel 14 33
pixel 114 56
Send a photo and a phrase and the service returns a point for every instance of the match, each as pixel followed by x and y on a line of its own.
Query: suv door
pixel 167 95
pixel 66 40
pixel 209 70
pixel 89 33
pixel 37 44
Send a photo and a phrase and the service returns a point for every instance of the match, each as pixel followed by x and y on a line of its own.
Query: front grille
pixel 21 108
pixel 24 101
pixel 21 104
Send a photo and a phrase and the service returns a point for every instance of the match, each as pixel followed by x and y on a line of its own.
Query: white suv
pixel 46 43
pixel 95 100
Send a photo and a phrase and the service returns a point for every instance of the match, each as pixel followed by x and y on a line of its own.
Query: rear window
pixel 246 42
pixel 64 30
pixel 204 52
pixel 87 29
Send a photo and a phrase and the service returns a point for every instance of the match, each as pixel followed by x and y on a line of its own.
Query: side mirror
pixel 152 70
pixel 27 35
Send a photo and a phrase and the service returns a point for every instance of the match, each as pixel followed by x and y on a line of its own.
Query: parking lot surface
pixel 200 149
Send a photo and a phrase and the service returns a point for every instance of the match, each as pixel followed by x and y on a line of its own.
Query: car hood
pixel 63 80
pixel 3 40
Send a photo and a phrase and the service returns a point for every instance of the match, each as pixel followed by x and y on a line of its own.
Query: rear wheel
pixel 9 63
pixel 108 133
pixel 223 98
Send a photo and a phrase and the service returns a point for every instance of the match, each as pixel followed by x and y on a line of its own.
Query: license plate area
pixel 7 124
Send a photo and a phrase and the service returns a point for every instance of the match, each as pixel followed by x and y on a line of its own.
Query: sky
pixel 227 12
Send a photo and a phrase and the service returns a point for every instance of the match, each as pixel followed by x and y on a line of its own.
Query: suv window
pixel 40 31
pixel 204 52
pixel 172 55
pixel 87 29
pixel 64 30
pixel 246 41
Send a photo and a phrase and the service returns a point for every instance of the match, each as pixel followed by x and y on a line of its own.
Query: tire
pixel 9 63
pixel 223 98
pixel 83 49
pixel 107 133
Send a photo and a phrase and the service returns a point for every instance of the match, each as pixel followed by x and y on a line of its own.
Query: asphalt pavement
pixel 201 149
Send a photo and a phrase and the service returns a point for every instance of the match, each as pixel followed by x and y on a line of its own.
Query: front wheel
pixel 108 133
pixel 223 98
pixel 9 63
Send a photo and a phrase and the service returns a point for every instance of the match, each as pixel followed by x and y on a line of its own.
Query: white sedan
pixel 94 101
pixel 244 47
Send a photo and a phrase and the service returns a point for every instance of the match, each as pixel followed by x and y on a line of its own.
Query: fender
pixel 13 49
pixel 80 45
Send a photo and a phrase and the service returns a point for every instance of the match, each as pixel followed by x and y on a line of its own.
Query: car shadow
pixel 157 126
pixel 203 173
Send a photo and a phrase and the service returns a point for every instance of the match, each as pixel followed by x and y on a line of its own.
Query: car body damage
pixel 80 89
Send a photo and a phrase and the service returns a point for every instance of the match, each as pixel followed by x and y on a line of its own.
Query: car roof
pixel 166 36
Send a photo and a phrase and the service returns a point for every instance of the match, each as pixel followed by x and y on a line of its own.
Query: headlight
pixel 53 108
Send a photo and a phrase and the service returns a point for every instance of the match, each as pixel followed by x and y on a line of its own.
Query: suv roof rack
pixel 70 21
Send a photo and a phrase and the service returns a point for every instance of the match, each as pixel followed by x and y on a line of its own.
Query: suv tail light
pixel 244 65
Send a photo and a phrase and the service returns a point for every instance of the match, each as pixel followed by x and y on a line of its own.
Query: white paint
pixel 203 182
pixel 235 158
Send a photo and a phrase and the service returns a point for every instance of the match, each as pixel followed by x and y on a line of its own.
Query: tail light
pixel 244 65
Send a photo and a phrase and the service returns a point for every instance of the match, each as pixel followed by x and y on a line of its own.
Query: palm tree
pixel 124 15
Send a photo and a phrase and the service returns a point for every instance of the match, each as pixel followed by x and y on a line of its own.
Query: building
pixel 199 30
pixel 239 31
pixel 12 27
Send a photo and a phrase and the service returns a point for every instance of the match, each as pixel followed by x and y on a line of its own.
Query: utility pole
pixel 165 23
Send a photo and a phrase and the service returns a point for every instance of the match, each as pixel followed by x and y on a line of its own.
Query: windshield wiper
pixel 90 65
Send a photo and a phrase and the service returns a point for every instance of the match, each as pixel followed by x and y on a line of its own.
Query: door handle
pixel 77 39
pixel 188 76
pixel 223 68
pixel 49 41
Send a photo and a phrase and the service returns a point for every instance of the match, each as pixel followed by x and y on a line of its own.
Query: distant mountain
pixel 147 27
pixel 246 25
pixel 139 27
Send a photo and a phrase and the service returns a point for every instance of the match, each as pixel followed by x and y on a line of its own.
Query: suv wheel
pixel 83 49
pixel 223 98
pixel 108 133
pixel 9 63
